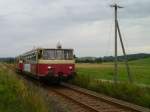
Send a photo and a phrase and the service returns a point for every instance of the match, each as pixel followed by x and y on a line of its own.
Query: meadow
pixel 140 71
pixel 99 78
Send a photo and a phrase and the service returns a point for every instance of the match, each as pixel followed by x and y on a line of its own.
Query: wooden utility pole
pixel 117 30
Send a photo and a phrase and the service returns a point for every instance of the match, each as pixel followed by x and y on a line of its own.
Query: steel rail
pixel 107 99
pixel 87 107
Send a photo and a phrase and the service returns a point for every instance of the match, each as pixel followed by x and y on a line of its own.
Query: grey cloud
pixel 24 24
pixel 134 9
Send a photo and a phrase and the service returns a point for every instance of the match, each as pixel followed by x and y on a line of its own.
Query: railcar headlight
pixel 49 67
pixel 70 67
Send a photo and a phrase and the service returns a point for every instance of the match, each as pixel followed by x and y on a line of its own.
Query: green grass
pixel 15 96
pixel 141 62
pixel 139 70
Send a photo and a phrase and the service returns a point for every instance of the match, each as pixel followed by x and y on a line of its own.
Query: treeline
pixel 89 60
pixel 93 59
pixel 7 60
pixel 110 58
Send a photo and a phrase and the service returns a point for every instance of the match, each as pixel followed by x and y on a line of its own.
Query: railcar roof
pixel 35 50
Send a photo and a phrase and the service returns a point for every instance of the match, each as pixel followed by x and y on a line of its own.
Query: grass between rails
pixel 15 96
pixel 88 74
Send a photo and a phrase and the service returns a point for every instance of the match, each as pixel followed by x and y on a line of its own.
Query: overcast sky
pixel 84 25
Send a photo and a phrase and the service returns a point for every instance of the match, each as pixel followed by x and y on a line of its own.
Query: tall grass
pixel 124 91
pixel 15 96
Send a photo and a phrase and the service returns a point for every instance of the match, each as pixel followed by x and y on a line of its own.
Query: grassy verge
pixel 128 92
pixel 15 96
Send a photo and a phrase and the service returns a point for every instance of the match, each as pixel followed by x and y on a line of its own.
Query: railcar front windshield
pixel 57 54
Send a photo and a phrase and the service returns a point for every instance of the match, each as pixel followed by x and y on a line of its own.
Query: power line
pixel 117 31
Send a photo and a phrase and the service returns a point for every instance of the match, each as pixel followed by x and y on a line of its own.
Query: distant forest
pixel 8 60
pixel 110 58
pixel 93 59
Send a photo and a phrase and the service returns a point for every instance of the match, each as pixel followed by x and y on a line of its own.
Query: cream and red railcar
pixel 53 64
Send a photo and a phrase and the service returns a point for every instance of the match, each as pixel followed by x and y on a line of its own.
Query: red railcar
pixel 51 64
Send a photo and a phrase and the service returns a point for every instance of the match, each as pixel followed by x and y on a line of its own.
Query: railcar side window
pixel 39 54
pixel 33 57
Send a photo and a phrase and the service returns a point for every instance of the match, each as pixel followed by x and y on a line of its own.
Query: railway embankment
pixel 16 96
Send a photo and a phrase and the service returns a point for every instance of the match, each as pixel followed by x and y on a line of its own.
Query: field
pixel 140 71
pixel 99 78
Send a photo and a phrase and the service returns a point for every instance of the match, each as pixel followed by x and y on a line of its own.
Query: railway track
pixel 94 102
pixel 88 101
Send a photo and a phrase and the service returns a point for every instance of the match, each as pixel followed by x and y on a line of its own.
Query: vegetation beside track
pixel 91 76
pixel 15 96
pixel 125 91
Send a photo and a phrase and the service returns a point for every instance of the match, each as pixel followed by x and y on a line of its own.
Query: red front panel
pixel 64 69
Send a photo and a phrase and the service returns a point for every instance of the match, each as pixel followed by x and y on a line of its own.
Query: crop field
pixel 140 71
